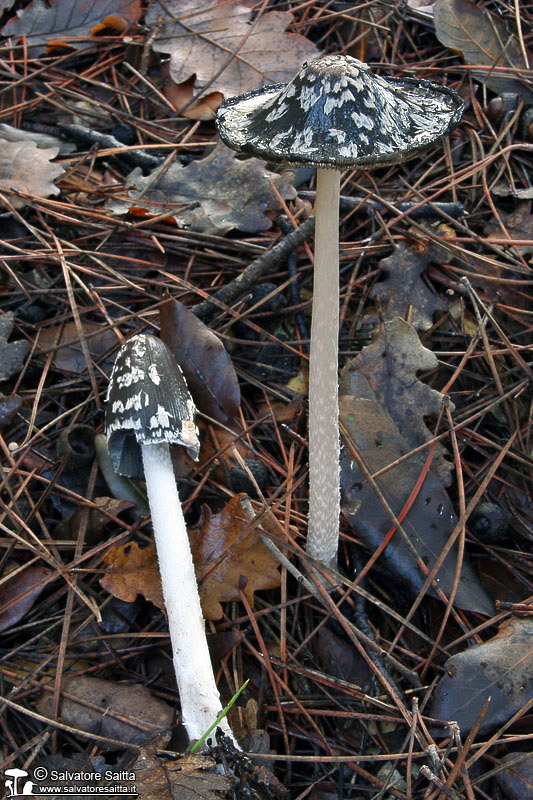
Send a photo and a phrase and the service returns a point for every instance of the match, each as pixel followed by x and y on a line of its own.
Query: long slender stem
pixel 200 700
pixel 324 488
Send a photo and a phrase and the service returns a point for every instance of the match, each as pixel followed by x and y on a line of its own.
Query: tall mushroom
pixel 148 408
pixel 335 113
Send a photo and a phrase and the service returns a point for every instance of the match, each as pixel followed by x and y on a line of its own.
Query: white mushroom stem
pixel 324 449
pixel 200 700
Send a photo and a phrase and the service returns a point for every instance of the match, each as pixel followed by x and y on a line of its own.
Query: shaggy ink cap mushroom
pixel 337 113
pixel 148 409
pixel 148 402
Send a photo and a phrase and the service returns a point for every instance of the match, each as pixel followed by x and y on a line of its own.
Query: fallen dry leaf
pixel 214 194
pixel 224 47
pixel 482 38
pixel 125 711
pixel 517 224
pixel 421 8
pixel 65 340
pixel 216 453
pixel 181 95
pixel 12 354
pixel 223 555
pixel 42 140
pixel 132 571
pixel 5 5
pixel 404 287
pixel 24 167
pixel 390 365
pixel 516 779
pixel 19 592
pixel 97 521
pixel 207 367
pixel 500 669
pixel 9 406
pixel 431 518
pixel 193 777
pixel 67 23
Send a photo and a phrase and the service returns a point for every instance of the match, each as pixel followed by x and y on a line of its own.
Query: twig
pixel 265 262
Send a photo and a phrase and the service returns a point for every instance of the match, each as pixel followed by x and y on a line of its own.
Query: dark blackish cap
pixel 148 402
pixel 337 113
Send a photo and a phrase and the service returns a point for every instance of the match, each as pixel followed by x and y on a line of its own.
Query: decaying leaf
pixel 516 779
pixel 43 141
pixel 224 47
pixel 338 657
pixel 193 777
pixel 422 9
pixel 5 5
pixel 212 195
pixel 11 355
pixel 127 712
pixel 97 520
pixel 24 167
pixel 504 189
pixel 405 288
pixel 517 224
pixel 9 406
pixel 390 365
pixel 431 518
pixel 216 453
pixel 66 341
pixel 64 23
pixel 205 362
pixel 483 39
pixel 500 669
pixel 223 554
pixel 181 96
pixel 19 592
pixel 131 571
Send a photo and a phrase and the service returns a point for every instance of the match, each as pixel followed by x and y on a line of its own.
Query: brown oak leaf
pixel 24 167
pixel 517 224
pixel 132 571
pixel 390 365
pixel 226 49
pixel 193 777
pixel 404 287
pixel 67 23
pixel 222 553
pixel 213 195
pixel 482 38
pixel 65 340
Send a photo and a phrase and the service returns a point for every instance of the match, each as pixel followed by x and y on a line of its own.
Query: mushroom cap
pixel 337 113
pixel 148 402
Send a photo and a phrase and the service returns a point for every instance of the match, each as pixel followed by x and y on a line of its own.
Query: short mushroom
pixel 148 408
pixel 335 113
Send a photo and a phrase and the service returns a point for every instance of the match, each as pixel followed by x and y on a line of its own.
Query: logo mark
pixel 12 783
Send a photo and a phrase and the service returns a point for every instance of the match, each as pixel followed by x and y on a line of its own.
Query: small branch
pixel 261 265
pixel 84 136
pixel 415 209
